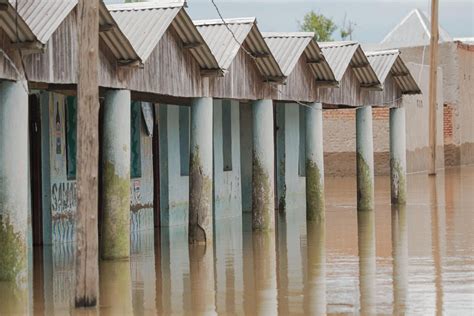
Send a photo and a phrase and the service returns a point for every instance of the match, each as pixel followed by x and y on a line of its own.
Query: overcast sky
pixel 373 18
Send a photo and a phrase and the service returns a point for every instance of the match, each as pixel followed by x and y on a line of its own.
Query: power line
pixel 272 85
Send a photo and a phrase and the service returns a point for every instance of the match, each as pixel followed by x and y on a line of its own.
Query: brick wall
pixel 349 114
pixel 448 124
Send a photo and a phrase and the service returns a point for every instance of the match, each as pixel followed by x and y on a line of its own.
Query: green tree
pixel 322 26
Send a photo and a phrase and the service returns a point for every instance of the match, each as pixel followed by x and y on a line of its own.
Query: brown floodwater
pixel 417 259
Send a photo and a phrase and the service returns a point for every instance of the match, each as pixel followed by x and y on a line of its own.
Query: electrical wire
pixel 272 84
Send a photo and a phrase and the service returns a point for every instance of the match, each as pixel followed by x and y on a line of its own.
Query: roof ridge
pixel 244 20
pixel 287 34
pixel 138 6
pixel 382 52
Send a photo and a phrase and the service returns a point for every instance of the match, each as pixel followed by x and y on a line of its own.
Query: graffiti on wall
pixel 141 216
pixel 63 207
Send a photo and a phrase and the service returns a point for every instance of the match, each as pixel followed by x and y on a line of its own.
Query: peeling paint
pixel 116 216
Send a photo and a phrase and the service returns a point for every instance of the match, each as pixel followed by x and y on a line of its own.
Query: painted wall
pixel 227 184
pixel 141 189
pixel 62 189
pixel 246 136
pixel 174 164
pixel 174 187
pixel 59 190
pixel 291 182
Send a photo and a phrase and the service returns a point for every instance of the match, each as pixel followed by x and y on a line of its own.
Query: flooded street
pixel 417 259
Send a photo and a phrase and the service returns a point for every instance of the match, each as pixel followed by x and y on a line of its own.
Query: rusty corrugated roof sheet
pixel 144 23
pixel 389 61
pixel 288 48
pixel 341 55
pixel 225 47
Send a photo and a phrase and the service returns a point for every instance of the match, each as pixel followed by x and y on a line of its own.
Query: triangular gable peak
pixel 112 35
pixel 342 55
pixel 288 49
pixel 44 16
pixel 226 38
pixel 145 23
pixel 413 30
pixel 389 62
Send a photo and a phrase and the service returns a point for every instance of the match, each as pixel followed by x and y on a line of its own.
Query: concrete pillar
pixel 115 226
pixel 314 163
pixel 263 160
pixel 398 161
pixel 365 159
pixel 13 181
pixel 200 172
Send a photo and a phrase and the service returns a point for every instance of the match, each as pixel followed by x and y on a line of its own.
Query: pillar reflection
pixel 282 265
pixel 315 283
pixel 201 261
pixel 228 266
pixel 437 237
pixel 367 261
pixel 264 273
pixel 400 259
pixel 115 287
pixel 14 298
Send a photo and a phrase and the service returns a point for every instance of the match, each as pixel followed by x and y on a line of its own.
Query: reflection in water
pixel 400 258
pixel 14 298
pixel 115 287
pixel 366 232
pixel 282 265
pixel 297 270
pixel 264 273
pixel 315 283
pixel 201 260
pixel 228 265
pixel 436 237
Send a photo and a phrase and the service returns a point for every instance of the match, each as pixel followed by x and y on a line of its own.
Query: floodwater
pixel 418 259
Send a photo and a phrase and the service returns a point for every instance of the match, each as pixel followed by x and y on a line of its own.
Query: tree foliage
pixel 322 26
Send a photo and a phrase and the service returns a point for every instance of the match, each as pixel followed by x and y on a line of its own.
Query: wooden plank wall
pixel 172 71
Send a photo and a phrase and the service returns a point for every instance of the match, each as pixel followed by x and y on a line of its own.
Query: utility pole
pixel 87 272
pixel 433 84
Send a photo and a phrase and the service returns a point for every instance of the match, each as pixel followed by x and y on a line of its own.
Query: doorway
pixel 35 169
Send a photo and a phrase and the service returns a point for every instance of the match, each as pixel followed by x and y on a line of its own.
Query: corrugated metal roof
pixel 413 30
pixel 288 48
pixel 225 47
pixel 145 23
pixel 44 16
pixel 341 55
pixel 115 39
pixel 389 61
